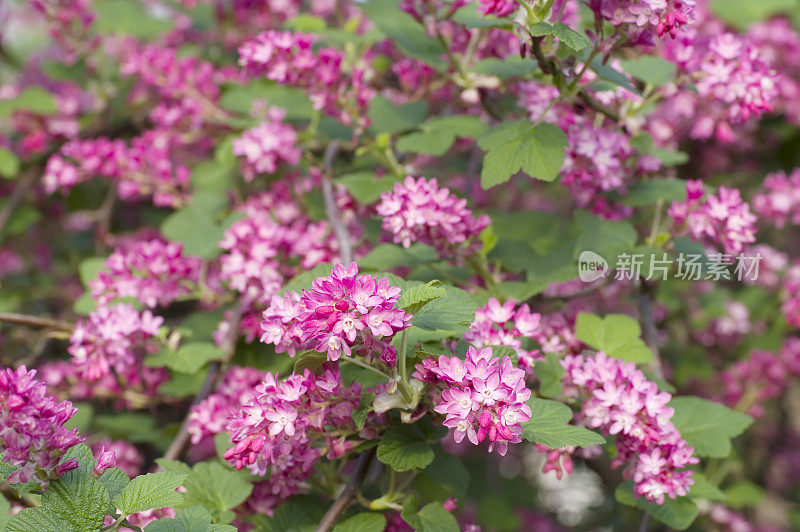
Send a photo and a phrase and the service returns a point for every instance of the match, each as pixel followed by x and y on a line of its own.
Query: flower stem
pixel 364 365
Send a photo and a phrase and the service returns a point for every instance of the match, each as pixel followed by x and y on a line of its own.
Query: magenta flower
pixel 484 391
pixel 33 438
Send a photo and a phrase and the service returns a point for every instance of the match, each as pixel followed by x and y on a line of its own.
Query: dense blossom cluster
pixel 749 383
pixel 621 401
pixel 790 306
pixel 720 220
pixel 779 200
pixel 418 210
pixel 210 416
pixel 283 429
pixel 341 314
pixel 290 59
pixel 733 82
pixel 643 18
pixel 113 338
pixel 483 397
pixel 505 324
pixel 141 169
pixel 33 438
pixel 262 247
pixel 154 271
pixel 267 145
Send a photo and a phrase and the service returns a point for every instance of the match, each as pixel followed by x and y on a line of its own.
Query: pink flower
pixel 282 419
pixel 33 438
pixel 419 211
pixel 484 391
pixel 267 145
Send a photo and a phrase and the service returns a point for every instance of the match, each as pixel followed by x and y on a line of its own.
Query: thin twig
pixel 649 325
pixel 597 106
pixel 331 209
pixel 347 495
pixel 35 321
pixel 23 184
pixel 643 524
pixel 214 369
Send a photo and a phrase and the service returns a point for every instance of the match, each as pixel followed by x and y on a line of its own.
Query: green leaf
pixel 431 518
pixel 415 297
pixel 510 67
pixel 649 192
pixel 407 34
pixel 549 426
pixel 240 98
pixel 190 519
pixel 704 489
pixel 650 69
pixel 744 494
pixel 189 358
pixel 387 117
pixel 455 311
pixel 616 334
pixel 470 18
pixel 299 514
pixel 743 13
pixel 114 480
pixel 707 426
pixel 303 280
pixel 38 519
pixel 449 471
pixel 310 360
pixel 174 465
pixel 151 491
pixel 677 513
pixel 9 163
pixel 194 226
pixel 389 256
pixel 32 99
pixel 608 238
pixel 210 176
pixel 89 268
pixel 77 497
pixel 5 508
pixel 122 17
pixel 573 39
pixel 437 135
pixel 363 522
pixel 536 150
pixel 366 187
pixel 405 448
pixel 216 488
pixel 364 408
pixel 549 373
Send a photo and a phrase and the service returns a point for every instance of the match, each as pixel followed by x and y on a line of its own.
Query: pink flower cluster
pixel 482 396
pixel 275 234
pixel 210 416
pixel 643 18
pixel 779 199
pixel 733 82
pixel 417 210
pixel 722 219
pixel 790 307
pixel 621 401
pixel 289 59
pixel 32 434
pixel 341 313
pixel 69 23
pixel 779 44
pixel 153 271
pixel 186 88
pixel 142 169
pixel 763 375
pixel 113 337
pixel 498 8
pixel 284 429
pixel 497 324
pixel 267 145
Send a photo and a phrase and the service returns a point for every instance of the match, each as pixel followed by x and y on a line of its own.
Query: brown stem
pixel 649 325
pixel 331 209
pixel 35 321
pixel 214 369
pixel 349 492
pixel 597 106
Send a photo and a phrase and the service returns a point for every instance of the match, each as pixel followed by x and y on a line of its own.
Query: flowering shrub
pixel 396 265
